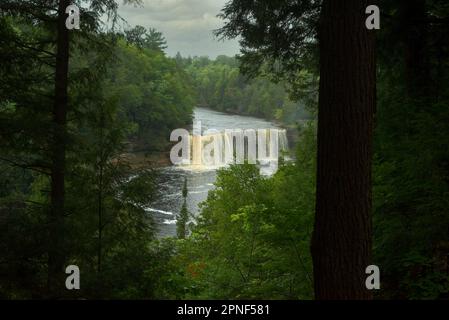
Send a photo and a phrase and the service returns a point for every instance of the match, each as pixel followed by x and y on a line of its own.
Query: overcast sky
pixel 186 24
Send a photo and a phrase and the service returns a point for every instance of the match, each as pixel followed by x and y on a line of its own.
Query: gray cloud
pixel 186 24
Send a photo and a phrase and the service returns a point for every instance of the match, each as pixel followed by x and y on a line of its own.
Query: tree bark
pixel 56 245
pixel 342 237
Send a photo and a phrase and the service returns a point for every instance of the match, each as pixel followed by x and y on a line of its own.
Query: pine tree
pixel 183 217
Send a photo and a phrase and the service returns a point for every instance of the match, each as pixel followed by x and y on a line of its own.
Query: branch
pixel 34 167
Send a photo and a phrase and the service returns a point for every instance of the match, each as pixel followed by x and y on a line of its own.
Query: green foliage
pixel 221 86
pixel 277 35
pixel 411 186
pixel 149 39
pixel 252 238
pixel 106 229
pixel 153 95
pixel 411 196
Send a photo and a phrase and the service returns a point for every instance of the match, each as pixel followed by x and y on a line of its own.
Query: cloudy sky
pixel 186 24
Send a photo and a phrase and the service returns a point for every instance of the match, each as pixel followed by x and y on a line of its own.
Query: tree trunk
pixel 342 238
pixel 56 245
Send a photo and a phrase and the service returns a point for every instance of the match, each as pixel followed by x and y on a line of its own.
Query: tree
pixel 149 39
pixel 411 152
pixel 282 35
pixel 183 217
pixel 154 95
pixel 56 222
pixel 220 85
pixel 155 40
pixel 48 22
pixel 277 35
pixel 342 244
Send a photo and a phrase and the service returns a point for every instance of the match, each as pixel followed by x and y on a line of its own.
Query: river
pixel 199 180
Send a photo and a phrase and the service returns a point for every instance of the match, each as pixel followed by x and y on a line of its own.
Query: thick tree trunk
pixel 342 238
pixel 56 245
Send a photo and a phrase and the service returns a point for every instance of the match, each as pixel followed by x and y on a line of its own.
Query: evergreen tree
pixel 183 217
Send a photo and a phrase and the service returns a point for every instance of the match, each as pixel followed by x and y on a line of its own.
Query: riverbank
pixel 161 159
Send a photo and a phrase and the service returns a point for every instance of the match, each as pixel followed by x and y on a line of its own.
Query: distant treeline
pixel 221 86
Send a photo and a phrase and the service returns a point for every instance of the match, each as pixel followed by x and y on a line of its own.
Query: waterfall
pixel 217 149
pixel 197 150
pixel 283 140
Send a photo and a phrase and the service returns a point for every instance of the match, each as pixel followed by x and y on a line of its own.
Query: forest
pixel 221 86
pixel 367 182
